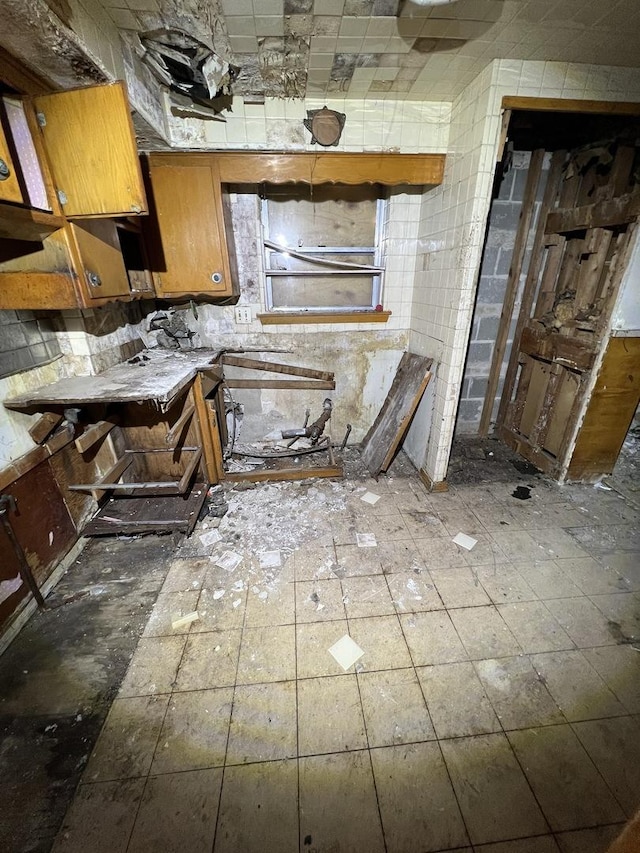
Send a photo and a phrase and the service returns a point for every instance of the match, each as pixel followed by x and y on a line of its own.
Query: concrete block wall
pixel 494 273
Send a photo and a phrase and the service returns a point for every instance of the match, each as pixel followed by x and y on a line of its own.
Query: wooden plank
pixel 94 433
pixel 515 407
pixel 176 430
pixel 543 461
pixel 90 143
pixel 280 318
pixel 44 426
pixel 513 282
pixel 571 105
pixel 540 427
pixel 284 474
pixel 550 345
pixel 148 514
pixel 273 367
pixel 553 263
pixel 22 223
pixel 504 130
pixel 389 428
pixel 603 214
pixel 591 269
pixel 554 179
pixel 186 478
pixel 208 426
pixel 560 418
pixel 307 384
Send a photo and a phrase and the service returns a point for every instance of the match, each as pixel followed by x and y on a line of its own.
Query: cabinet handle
pixel 216 277
pixel 93 279
pixel 5 171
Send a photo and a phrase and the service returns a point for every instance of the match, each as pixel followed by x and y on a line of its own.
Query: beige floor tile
pixel 278 608
pixel 210 660
pixel 220 614
pixel 456 700
pixel 313 642
pixel 267 654
pixel 496 801
pixel 534 627
pixel 459 587
pixel 394 708
pixel 494 516
pixel 518 545
pixel 569 789
pixel 547 579
pixel 591 576
pixel 319 601
pixel 619 667
pixel 353 561
pixel 432 638
pixel 330 715
pixel 168 607
pixel 194 734
pixel 186 575
pixel 178 813
pixel 263 723
pixel 595 840
pixel 440 553
pixel 582 621
pixel 367 596
pixel 622 610
pixel 417 803
pixel 518 695
pixel 314 563
pixel 128 739
pixel 414 593
pixel 460 520
pixel 614 747
pixel 400 557
pixel 422 523
pixel 503 584
pixel 557 543
pixel 153 666
pixel 338 808
pixel 484 632
pixel 100 818
pixel 343 530
pixel 576 687
pixel 486 552
pixel 390 528
pixel 539 844
pixel 383 643
pixel 258 809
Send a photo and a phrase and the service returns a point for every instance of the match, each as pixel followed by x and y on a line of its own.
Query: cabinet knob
pixel 93 279
pixel 216 277
pixel 5 171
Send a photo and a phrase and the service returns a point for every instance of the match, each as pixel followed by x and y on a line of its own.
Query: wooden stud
pixel 94 433
pixel 44 426
pixel 212 462
pixel 306 384
pixel 517 259
pixel 273 367
pixel 284 474
pixel 314 317
pixel 602 214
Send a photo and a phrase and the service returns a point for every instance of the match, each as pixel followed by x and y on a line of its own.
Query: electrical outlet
pixel 243 314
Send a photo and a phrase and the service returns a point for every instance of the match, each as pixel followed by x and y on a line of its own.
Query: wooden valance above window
pixel 320 168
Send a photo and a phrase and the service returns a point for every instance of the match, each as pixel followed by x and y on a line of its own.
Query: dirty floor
pixel 495 706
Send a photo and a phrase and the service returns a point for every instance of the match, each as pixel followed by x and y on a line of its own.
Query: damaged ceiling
pixel 384 48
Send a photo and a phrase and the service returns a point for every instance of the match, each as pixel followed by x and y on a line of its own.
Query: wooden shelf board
pixel 291 317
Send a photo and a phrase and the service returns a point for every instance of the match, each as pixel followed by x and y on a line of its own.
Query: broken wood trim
pixel 433 485
pixel 603 214
pixel 552 346
pixel 113 475
pixel 504 130
pixel 571 105
pixel 273 367
pixel 554 180
pixel 306 384
pixel 312 317
pixel 284 474
pixel 44 426
pixel 176 430
pixel 184 481
pixel 517 260
pixel 94 433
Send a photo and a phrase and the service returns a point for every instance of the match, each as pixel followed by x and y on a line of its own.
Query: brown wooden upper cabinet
pixel 188 235
pixel 89 142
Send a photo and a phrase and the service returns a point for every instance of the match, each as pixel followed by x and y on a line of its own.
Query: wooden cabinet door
pixel 9 184
pixel 187 242
pixel 89 141
pixel 100 265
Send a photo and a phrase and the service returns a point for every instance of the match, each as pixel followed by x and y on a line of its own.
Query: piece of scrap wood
pixel 44 426
pixel 187 619
pixel 388 430
pixel 346 652
pixel 466 542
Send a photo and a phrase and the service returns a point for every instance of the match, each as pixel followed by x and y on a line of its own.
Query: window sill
pixel 290 317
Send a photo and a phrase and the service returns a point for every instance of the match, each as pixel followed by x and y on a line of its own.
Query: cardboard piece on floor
pixel 366 540
pixel 464 541
pixel 346 652
pixel 187 619
pixel 229 561
pixel 370 498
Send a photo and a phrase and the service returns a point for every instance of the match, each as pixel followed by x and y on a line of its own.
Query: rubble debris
pixel 522 493
pixel 216 505
pixel 370 498
pixel 366 540
pixel 346 652
pixel 464 541
pixel 182 621
pixel 229 561
pixel 210 537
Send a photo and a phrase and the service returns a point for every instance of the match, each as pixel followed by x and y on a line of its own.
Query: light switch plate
pixel 243 314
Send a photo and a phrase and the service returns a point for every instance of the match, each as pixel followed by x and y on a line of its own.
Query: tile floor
pixel 496 707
